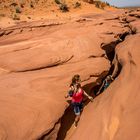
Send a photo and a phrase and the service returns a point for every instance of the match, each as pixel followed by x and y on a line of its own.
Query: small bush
pixel 77 4
pixel 64 7
pixel 91 1
pixel 22 3
pixel 16 17
pixel 97 5
pixel 31 4
pixel 57 1
pixel 100 4
pixel 107 3
pixel 17 10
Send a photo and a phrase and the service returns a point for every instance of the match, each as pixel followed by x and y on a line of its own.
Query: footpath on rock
pixel 37 61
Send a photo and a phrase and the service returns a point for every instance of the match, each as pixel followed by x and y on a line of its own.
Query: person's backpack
pixel 70 92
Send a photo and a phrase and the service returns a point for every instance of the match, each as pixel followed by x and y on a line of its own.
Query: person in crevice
pixel 108 80
pixel 77 94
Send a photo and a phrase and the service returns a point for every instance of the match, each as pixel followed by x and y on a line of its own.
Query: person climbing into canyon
pixel 77 99
pixel 105 84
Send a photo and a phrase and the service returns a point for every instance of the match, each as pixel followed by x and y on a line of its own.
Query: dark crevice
pixel 96 56
pixel 134 15
pixel 123 36
pixel 92 88
pixel 116 18
pixel 110 55
pixel 114 71
pixel 50 134
pixel 66 122
pixel 110 48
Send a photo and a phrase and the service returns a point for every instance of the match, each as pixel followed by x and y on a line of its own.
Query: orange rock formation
pixel 38 59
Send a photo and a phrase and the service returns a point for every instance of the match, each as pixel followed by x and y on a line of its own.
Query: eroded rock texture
pixel 36 66
pixel 114 115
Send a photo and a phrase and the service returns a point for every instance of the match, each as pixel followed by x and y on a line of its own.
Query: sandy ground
pixel 49 11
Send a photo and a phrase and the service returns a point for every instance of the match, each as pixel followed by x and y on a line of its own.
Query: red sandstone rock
pixel 36 68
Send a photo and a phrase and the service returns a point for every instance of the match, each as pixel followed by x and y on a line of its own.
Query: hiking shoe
pixel 75 124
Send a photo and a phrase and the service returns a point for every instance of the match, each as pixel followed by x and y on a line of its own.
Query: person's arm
pixel 66 96
pixel 89 97
pixel 70 89
pixel 101 87
pixel 112 78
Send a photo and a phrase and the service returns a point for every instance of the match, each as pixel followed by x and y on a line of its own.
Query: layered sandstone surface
pixel 37 61
pixel 114 115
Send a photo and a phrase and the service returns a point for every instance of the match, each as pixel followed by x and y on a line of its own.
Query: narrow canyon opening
pixel 68 118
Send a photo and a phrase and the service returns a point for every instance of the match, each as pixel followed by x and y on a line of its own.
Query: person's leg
pixel 77 118
pixel 77 113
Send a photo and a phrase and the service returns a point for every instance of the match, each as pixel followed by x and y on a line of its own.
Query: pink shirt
pixel 78 96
